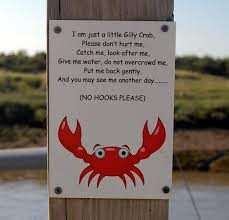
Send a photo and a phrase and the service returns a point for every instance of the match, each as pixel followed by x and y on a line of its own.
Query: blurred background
pixel 201 139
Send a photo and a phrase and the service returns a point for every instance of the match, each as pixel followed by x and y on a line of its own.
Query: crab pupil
pixel 123 153
pixel 100 153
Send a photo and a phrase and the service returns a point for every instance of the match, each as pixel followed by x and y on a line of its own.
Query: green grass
pixel 22 99
pixel 197 87
pixel 201 100
pixel 22 88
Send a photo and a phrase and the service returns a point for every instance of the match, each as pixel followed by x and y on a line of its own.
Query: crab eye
pixel 100 153
pixel 123 153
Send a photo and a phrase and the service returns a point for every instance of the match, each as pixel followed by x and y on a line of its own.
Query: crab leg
pixel 131 177
pixel 99 180
pixel 92 175
pixel 85 172
pixel 139 173
pixel 122 177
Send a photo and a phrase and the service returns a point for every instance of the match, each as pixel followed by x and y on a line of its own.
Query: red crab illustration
pixel 112 160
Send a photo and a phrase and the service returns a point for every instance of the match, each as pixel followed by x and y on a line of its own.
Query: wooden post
pixel 106 209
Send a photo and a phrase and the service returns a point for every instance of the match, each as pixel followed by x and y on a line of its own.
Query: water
pixel 24 200
pixel 212 202
pixel 23 196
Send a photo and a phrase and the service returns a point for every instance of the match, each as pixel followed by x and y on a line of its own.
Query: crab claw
pixel 72 141
pixel 151 142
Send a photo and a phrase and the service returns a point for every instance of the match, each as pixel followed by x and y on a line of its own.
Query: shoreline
pixel 192 147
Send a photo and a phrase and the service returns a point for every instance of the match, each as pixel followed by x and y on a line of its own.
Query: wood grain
pixel 53 9
pixel 57 209
pixel 107 209
pixel 117 9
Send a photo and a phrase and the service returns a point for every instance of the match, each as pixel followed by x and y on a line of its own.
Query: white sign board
pixel 111 100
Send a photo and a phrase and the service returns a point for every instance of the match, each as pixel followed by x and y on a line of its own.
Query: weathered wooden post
pixel 61 208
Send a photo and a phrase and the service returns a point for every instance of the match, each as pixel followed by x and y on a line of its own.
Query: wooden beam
pixel 57 209
pixel 53 9
pixel 106 209
pixel 117 9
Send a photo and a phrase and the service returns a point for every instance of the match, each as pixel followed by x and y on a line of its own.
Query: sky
pixel 202 26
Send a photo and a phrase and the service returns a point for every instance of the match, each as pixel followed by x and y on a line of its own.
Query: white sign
pixel 111 100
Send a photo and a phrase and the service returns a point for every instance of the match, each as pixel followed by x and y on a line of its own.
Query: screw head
pixel 57 29
pixel 58 190
pixel 164 28
pixel 166 189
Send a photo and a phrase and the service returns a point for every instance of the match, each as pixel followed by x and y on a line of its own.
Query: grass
pixel 22 99
pixel 21 137
pixel 201 100
pixel 22 88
